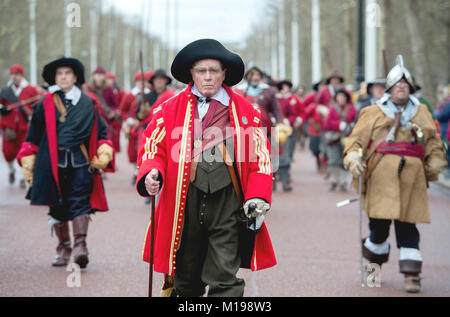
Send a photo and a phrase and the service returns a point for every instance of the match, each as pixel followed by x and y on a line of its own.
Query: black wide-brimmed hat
pixel 160 72
pixel 315 86
pixel 49 71
pixel 207 49
pixel 345 92
pixel 280 84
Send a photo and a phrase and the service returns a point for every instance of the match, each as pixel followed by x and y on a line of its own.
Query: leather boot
pixel 373 257
pixel 63 250
pixel 411 269
pixel 80 252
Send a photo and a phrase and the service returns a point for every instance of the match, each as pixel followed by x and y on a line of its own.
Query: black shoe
pixel 332 187
pixel 372 257
pixel 12 177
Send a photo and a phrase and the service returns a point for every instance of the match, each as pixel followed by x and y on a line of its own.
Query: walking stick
pixel 152 236
pixel 360 220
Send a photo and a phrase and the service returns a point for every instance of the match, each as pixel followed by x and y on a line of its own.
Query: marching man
pixel 401 154
pixel 206 149
pixel 16 108
pixel 64 151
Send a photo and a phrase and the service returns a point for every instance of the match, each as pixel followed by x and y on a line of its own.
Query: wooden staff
pixel 152 237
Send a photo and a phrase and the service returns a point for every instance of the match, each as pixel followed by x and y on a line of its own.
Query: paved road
pixel 316 244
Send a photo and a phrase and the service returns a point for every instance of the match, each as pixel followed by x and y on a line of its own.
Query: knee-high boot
pixel 63 250
pixel 80 252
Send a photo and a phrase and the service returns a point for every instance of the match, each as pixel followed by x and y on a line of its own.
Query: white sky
pixel 224 20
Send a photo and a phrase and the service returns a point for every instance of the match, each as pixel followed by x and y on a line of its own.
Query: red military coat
pixel 167 147
pixel 15 120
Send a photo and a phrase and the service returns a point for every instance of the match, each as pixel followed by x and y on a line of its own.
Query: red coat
pixel 128 106
pixel 292 108
pixel 333 119
pixel 15 120
pixel 167 147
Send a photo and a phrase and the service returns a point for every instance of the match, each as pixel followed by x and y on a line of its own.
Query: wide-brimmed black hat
pixel 284 82
pixel 345 92
pixel 49 71
pixel 160 72
pixel 207 49
pixel 315 86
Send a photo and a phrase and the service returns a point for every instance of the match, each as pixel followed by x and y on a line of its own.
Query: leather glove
pixel 258 221
pixel 353 162
pixel 27 163
pixel 261 207
pixel 103 158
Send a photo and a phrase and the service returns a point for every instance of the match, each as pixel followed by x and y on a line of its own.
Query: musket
pixel 141 64
pixel 22 103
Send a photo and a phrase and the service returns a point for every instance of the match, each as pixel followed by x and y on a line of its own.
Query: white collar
pixel 18 90
pixel 221 96
pixel 73 94
pixel 136 91
pixel 261 86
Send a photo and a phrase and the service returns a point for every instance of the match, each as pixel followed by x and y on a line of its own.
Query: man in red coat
pixel 16 102
pixel 195 144
pixel 108 101
pixel 291 107
pixel 258 93
pixel 128 108
pixel 338 124
pixel 112 82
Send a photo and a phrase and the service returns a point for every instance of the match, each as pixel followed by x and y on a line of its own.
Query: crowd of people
pixel 331 119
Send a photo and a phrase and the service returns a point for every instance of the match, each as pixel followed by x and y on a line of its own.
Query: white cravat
pixel 73 94
pixel 202 103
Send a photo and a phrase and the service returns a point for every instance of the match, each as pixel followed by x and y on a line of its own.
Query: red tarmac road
pixel 316 244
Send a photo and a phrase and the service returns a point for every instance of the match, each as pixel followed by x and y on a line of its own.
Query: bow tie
pixel 204 99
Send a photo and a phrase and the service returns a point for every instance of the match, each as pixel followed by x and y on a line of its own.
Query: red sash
pixel 402 149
